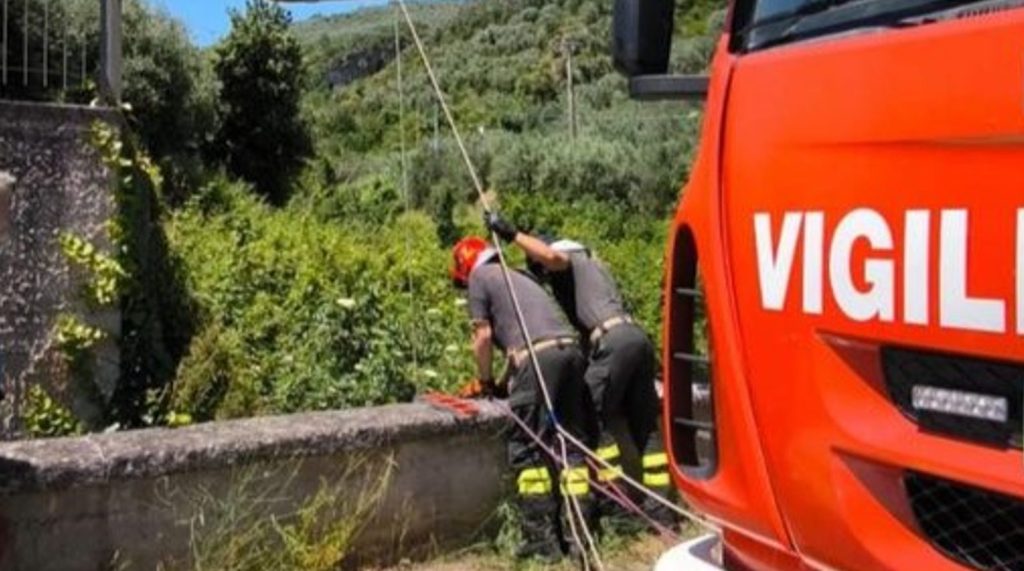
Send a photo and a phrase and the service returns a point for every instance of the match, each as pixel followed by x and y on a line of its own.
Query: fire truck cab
pixel 844 317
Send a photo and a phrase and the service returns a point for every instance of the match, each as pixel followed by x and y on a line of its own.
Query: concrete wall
pixel 51 181
pixel 132 498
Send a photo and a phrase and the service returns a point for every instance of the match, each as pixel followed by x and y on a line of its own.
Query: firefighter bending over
pixel 622 364
pixel 541 486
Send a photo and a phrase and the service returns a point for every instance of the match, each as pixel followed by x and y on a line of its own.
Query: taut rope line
pixel 405 183
pixel 444 104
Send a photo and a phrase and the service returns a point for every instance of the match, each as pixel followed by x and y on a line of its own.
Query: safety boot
pixel 540 534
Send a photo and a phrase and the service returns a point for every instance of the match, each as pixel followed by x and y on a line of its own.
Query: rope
pixel 405 185
pixel 610 491
pixel 577 513
pixel 444 104
pixel 692 516
pixel 563 434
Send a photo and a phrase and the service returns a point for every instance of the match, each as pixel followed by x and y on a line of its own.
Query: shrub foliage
pixel 304 312
pixel 308 269
pixel 340 298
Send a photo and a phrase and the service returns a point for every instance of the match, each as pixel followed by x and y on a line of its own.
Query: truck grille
pixel 975 527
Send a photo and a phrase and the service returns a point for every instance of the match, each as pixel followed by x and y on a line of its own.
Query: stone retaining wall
pixel 137 500
pixel 51 181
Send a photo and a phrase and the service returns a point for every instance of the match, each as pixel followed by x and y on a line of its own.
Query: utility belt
pixel 520 357
pixel 609 324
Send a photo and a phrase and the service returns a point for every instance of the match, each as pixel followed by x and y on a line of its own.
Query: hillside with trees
pixel 308 202
pixel 340 298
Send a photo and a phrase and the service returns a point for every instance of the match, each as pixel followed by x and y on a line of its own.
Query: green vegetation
pixel 171 88
pixel 633 552
pixel 239 531
pixel 46 418
pixel 262 139
pixel 141 278
pixel 259 522
pixel 503 69
pixel 271 257
pixel 300 311
pixel 167 80
pixel 156 309
pixel 340 298
pixel 332 41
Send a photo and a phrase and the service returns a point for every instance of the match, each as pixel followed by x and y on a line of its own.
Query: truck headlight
pixel 960 403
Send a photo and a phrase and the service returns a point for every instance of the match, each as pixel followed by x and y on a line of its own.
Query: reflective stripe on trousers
pixel 534 482
pixel 656 470
pixel 609 454
pixel 575 482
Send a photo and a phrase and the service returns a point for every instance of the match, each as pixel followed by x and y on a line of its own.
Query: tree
pixel 166 82
pixel 262 138
pixel 50 32
pixel 173 95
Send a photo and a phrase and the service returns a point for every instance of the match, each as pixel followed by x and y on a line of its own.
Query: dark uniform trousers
pixel 541 486
pixel 657 479
pixel 621 379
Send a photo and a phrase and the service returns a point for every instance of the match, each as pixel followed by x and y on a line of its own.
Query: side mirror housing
pixel 642 36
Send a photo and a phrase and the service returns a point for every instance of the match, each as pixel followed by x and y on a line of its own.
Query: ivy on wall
pixel 156 324
pixel 138 277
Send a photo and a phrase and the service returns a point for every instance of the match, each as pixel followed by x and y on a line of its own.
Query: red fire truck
pixel 854 228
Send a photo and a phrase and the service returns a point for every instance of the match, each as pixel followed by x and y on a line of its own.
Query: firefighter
pixel 622 363
pixel 541 487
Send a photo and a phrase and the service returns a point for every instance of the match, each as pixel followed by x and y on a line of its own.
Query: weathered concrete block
pixel 51 181
pixel 82 503
pixel 6 187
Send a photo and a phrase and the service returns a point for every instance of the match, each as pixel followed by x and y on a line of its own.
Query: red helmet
pixel 466 256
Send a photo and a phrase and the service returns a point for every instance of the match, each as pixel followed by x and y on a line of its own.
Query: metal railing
pixel 60 50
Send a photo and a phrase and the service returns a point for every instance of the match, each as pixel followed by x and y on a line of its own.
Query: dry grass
pixel 638 554
pixel 255 525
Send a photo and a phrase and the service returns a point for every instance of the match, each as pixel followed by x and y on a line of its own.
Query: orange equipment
pixel 854 227
pixel 469 253
pixel 459 406
pixel 478 389
pixel 472 389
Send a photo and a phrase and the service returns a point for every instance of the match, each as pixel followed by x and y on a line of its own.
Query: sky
pixel 207 20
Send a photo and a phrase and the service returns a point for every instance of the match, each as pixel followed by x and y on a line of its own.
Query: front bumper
pixel 700 554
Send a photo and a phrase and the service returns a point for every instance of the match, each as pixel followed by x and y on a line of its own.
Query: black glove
pixel 488 388
pixel 503 228
pixel 500 391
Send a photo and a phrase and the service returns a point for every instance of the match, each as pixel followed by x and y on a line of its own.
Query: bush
pixel 299 313
pixel 168 83
pixel 340 298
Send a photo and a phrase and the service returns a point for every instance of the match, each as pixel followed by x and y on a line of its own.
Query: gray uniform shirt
pixel 587 292
pixel 490 301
